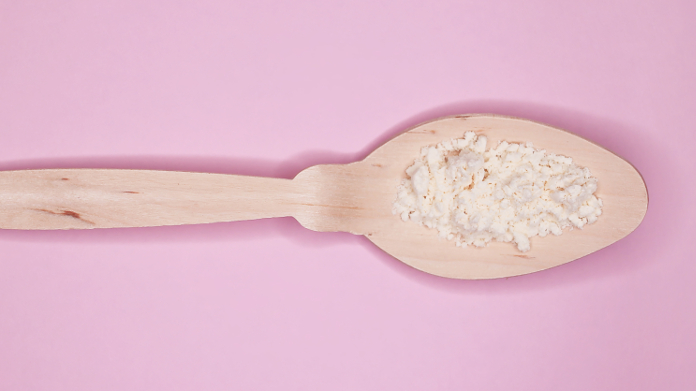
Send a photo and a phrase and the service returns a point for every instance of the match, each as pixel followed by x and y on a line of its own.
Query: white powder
pixel 508 193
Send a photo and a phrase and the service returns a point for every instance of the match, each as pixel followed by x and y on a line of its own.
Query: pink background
pixel 269 88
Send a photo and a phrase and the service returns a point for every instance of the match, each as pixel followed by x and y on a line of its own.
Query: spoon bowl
pixel 358 198
pixel 355 197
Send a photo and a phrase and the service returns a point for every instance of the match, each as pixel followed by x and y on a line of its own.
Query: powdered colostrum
pixel 509 193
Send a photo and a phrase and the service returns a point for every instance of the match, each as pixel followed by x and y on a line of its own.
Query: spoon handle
pixel 104 198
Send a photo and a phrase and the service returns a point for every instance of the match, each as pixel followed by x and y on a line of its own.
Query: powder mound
pixel 509 193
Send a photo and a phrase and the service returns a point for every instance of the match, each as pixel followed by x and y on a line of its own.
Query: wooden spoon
pixel 355 197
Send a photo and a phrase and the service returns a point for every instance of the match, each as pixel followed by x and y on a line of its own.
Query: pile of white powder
pixel 508 193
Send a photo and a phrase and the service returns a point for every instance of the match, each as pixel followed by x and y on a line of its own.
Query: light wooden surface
pixel 87 198
pixel 354 197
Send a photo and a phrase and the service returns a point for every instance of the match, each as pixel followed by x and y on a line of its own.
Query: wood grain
pixel 354 197
pixel 86 198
